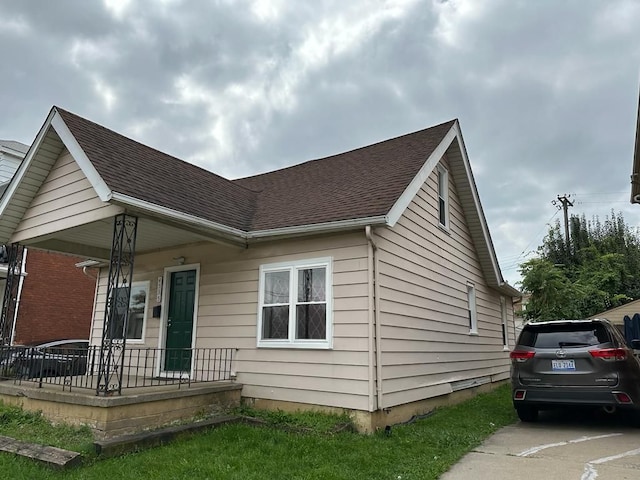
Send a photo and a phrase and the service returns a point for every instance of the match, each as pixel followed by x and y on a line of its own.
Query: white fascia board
pixel 255 234
pixel 24 166
pixel 98 184
pixel 478 207
pixel 416 184
pixel 175 215
pixel 317 227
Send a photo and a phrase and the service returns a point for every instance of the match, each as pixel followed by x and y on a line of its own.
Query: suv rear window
pixel 564 335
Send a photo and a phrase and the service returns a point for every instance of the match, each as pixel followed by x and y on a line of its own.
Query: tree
pixel 595 272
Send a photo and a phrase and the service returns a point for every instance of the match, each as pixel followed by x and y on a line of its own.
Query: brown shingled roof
pixel 361 183
pixel 133 169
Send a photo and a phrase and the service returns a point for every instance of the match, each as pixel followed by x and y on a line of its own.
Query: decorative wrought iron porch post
pixel 116 313
pixel 15 254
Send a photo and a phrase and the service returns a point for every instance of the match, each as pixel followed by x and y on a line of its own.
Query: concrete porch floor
pixel 136 410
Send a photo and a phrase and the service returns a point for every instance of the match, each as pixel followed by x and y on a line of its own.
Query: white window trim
pixel 472 308
pixel 504 324
pixel 445 177
pixel 147 285
pixel 292 266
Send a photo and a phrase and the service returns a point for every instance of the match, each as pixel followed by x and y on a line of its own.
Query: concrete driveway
pixel 561 445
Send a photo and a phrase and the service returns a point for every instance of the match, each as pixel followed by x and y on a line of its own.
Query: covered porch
pixel 86 191
pixel 142 368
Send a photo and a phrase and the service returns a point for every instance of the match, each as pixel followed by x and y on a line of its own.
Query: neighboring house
pixel 54 299
pixel 11 155
pixel 519 309
pixel 364 281
pixel 616 315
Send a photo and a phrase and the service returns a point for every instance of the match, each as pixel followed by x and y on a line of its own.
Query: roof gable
pixel 365 186
pixel 137 171
pixel 361 183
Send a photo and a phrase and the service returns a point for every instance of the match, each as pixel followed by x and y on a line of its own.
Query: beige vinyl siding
pixel 66 199
pixel 228 309
pixel 616 315
pixel 427 349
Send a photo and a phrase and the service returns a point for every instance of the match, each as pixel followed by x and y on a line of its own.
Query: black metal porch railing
pixel 142 367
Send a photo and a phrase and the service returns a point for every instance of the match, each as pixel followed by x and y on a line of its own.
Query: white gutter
pixel 374 319
pixel 240 234
pixel 317 227
pixel 175 214
pixel 507 289
pixel 23 273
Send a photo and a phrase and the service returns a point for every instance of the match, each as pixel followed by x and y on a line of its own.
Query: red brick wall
pixel 56 300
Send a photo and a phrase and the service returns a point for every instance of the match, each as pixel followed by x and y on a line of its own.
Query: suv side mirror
pixel 635 344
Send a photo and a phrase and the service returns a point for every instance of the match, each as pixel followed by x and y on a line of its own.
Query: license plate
pixel 563 364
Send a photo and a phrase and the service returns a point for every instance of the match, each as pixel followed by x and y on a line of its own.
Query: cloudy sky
pixel 546 91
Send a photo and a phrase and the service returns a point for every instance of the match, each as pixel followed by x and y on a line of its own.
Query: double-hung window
pixel 136 307
pixel 295 307
pixel 443 197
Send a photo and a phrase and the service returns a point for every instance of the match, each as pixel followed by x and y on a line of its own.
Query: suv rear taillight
pixel 609 353
pixel 521 355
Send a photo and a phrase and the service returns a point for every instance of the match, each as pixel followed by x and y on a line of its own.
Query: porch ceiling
pixel 94 239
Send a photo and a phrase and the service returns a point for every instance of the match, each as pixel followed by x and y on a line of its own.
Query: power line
pixel 603 202
pixel 602 193
pixel 534 238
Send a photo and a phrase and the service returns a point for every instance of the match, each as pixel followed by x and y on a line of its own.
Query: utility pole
pixel 564 203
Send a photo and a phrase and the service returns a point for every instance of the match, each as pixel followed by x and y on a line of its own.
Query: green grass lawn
pixel 300 446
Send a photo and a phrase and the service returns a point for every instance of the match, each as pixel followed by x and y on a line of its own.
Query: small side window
pixel 473 314
pixel 503 315
pixel 443 196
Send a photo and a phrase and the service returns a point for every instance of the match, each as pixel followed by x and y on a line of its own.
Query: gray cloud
pixel 546 92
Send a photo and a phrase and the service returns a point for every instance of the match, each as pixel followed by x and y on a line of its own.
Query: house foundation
pixel 369 422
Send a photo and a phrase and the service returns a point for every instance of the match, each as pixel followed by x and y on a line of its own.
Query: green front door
pixel 182 295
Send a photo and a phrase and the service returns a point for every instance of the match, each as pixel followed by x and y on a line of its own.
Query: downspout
pixel 23 273
pixel 375 351
pixel 86 273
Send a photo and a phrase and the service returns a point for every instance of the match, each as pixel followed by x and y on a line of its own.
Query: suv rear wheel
pixel 527 414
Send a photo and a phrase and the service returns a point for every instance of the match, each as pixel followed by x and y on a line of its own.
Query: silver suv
pixel 573 362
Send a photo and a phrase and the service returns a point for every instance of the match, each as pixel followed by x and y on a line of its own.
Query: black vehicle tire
pixel 527 414
pixel 634 417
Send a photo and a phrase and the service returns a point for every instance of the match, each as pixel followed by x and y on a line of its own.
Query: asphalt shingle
pixel 361 183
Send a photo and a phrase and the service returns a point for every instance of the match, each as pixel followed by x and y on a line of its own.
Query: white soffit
pixel 24 166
